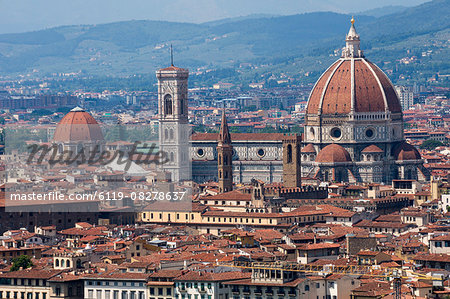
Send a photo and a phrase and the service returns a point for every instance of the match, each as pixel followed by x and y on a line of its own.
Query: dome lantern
pixel 352 42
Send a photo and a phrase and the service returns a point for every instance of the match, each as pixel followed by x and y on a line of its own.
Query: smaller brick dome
pixel 333 153
pixel 309 149
pixel 372 149
pixel 77 125
pixel 405 151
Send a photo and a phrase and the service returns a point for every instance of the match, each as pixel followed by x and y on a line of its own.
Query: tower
pixel 173 121
pixel 292 177
pixel 224 157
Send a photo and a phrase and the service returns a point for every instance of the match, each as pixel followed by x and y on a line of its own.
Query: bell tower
pixel 292 173
pixel 173 121
pixel 224 157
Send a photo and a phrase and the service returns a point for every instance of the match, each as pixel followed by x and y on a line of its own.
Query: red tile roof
pixel 333 153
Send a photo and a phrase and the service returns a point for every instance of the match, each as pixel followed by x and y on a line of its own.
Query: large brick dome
pixel 353 84
pixel 76 126
pixel 361 86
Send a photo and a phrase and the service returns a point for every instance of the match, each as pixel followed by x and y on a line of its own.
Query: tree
pixel 431 144
pixel 23 261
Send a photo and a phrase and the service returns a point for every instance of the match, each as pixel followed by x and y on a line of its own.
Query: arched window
pixel 312 133
pixel 225 160
pixel 289 153
pixel 171 134
pixel 78 263
pixel 181 106
pixel 339 176
pixel 57 263
pixel 166 134
pixel 168 104
pixel 62 263
pixel 172 157
pixel 68 264
pixel 409 174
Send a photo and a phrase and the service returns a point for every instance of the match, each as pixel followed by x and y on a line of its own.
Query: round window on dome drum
pixel 370 133
pixel 200 152
pixel 336 133
pixel 261 152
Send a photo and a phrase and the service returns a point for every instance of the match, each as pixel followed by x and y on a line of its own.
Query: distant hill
pixel 382 11
pixel 230 20
pixel 298 45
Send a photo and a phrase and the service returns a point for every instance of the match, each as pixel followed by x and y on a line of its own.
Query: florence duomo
pixel 354 124
pixel 353 133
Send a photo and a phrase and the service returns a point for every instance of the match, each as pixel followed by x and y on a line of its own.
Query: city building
pixel 354 124
pixel 405 96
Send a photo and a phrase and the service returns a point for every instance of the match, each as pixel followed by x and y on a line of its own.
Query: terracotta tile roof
pixel 31 273
pixel 432 257
pixel 219 213
pixel 333 153
pixel 66 277
pixel 332 91
pixel 368 223
pixel 165 273
pixel 301 236
pixel 267 234
pixel 309 149
pixel 405 151
pixel 389 218
pixel 318 246
pixel 372 149
pixel 368 253
pixel 77 126
pixel 173 68
pixel 209 276
pixel 441 238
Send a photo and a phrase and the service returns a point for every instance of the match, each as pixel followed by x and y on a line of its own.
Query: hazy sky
pixel 25 15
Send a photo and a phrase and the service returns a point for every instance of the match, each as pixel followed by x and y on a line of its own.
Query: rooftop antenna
pixel 171 55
